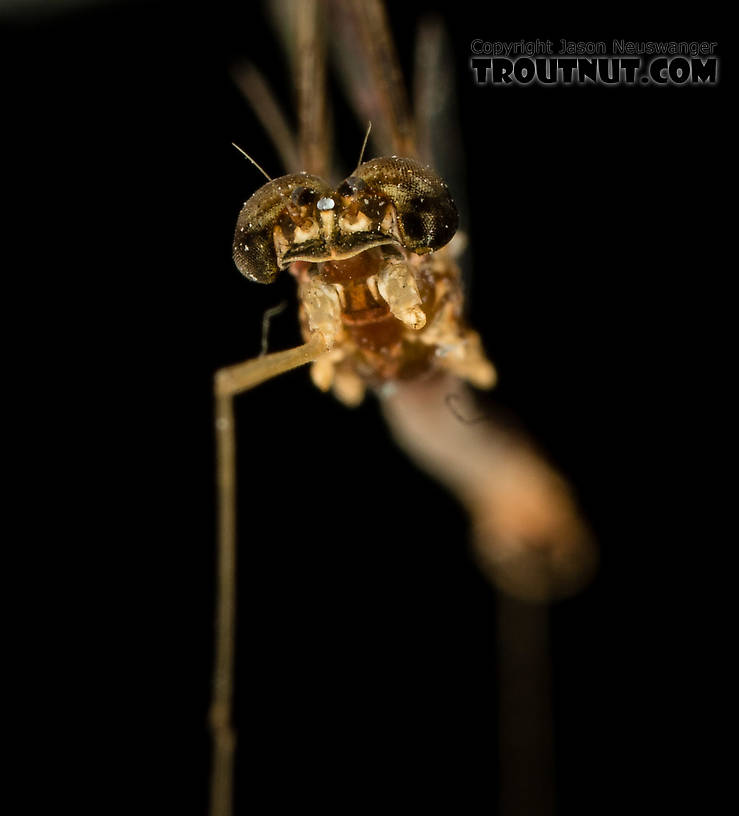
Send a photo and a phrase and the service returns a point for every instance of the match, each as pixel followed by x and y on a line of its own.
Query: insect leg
pixel 398 287
pixel 465 357
pixel 229 382
pixel 322 309
pixel 234 379
pixel 222 733
pixel 458 350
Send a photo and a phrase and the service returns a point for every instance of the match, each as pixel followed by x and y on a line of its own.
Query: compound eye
pixel 351 186
pixel 427 215
pixel 254 249
pixel 302 196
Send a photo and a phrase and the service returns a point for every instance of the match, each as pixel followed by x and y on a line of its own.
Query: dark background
pixel 366 674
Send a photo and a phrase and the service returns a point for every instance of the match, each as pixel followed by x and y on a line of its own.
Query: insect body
pixel 372 285
pixel 381 302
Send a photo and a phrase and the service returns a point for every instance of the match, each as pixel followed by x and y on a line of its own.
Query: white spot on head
pixel 325 204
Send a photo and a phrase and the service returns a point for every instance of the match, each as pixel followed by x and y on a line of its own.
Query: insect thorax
pixel 390 310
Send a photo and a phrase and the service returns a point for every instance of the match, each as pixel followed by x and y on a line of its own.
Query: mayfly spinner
pixel 381 307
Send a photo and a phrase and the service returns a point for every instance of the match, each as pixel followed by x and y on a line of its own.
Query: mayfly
pixel 381 308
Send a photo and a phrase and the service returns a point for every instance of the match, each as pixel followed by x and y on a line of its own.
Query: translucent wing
pixel 437 121
pixel 369 69
pixel 301 26
pixel 269 112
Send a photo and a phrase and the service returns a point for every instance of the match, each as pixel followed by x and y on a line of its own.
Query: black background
pixel 366 674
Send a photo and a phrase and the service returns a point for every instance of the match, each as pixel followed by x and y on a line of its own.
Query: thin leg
pixel 221 788
pixel 229 382
pixel 234 379
pixel 525 709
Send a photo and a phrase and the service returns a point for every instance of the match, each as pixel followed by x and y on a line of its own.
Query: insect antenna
pixel 364 144
pixel 258 166
pixel 261 170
